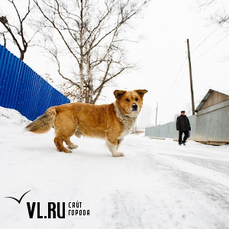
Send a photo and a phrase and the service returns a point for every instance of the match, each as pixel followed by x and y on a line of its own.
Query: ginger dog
pixel 110 121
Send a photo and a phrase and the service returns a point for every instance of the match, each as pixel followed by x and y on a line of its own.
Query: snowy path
pixel 158 184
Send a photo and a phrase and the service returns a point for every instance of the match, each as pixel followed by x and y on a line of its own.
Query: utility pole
pixel 190 75
pixel 156 115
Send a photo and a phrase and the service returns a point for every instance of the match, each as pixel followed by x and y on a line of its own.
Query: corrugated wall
pixel 213 123
pixel 23 89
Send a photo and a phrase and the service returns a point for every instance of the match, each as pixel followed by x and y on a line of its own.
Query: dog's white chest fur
pixel 128 122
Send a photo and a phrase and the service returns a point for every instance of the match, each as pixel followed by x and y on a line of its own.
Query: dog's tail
pixel 43 123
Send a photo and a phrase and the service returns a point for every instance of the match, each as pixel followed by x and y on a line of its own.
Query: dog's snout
pixel 134 107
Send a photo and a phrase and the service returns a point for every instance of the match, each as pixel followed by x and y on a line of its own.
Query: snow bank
pixel 11 116
pixel 158 184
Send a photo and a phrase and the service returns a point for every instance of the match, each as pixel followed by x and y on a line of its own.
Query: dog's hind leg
pixel 59 145
pixel 64 132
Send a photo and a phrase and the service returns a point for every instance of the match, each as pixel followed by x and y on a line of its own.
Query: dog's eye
pixel 127 100
pixel 136 99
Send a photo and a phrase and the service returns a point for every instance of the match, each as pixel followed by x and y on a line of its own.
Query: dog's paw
pixel 118 154
pixel 67 151
pixel 73 146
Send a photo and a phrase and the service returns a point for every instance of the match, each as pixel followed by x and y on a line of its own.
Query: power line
pixel 173 87
pixel 212 47
pixel 206 38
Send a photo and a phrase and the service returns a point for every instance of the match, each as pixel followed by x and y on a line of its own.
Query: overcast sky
pixel 161 57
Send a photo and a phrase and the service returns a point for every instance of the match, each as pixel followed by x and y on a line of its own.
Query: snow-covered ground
pixel 158 184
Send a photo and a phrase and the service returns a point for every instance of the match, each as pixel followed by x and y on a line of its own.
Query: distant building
pixel 212 121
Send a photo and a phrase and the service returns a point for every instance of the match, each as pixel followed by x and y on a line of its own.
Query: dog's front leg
pixel 119 142
pixel 114 149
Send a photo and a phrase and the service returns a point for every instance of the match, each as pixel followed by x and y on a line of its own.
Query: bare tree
pixel 17 30
pixel 3 34
pixel 219 10
pixel 93 36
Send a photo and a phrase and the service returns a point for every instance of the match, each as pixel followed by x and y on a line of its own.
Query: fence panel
pixel 23 89
pixel 169 130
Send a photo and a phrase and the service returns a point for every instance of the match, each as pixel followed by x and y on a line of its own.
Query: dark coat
pixel 182 123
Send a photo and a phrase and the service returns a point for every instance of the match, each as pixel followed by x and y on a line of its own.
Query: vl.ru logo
pixel 55 210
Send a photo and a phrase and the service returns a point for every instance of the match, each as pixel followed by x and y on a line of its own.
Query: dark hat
pixel 182 112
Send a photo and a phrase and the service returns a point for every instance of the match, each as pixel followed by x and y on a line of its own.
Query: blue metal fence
pixel 23 89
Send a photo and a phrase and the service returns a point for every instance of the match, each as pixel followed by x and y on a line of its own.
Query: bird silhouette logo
pixel 19 201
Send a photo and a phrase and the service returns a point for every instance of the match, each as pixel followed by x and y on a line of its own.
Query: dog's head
pixel 130 102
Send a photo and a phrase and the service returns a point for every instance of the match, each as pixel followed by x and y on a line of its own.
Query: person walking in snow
pixel 183 126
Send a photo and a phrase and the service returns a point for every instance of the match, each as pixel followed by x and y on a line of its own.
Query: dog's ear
pixel 141 92
pixel 119 93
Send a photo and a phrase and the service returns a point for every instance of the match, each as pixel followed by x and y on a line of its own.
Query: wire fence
pixel 23 89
